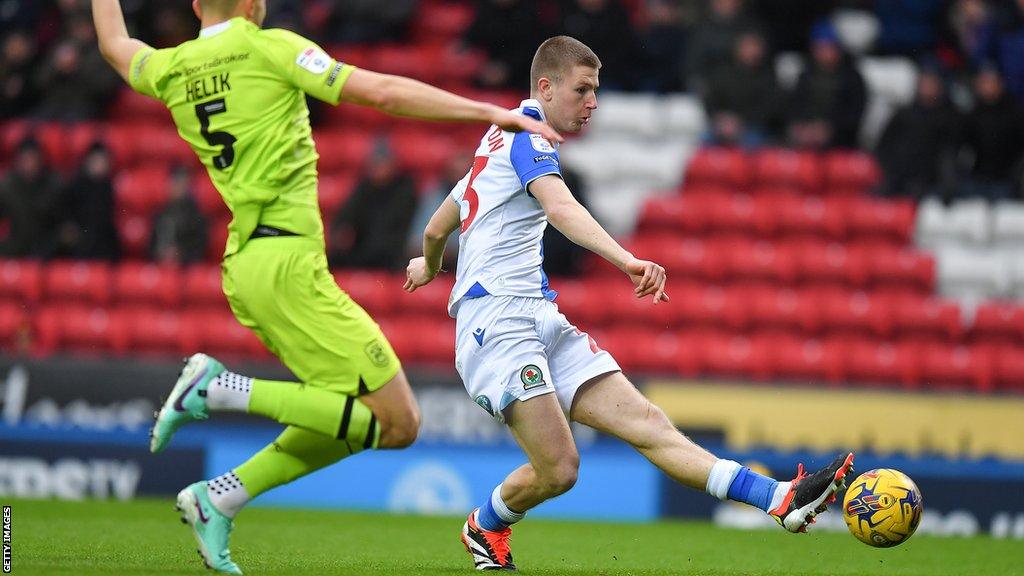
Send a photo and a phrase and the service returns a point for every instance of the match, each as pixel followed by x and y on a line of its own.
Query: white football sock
pixel 502 510
pixel 227 494
pixel 721 476
pixel 780 492
pixel 229 391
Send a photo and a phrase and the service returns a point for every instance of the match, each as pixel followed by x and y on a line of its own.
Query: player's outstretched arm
pixel 117 47
pixel 423 269
pixel 402 96
pixel 571 218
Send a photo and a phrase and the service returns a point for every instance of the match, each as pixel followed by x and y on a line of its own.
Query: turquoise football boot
pixel 211 528
pixel 187 401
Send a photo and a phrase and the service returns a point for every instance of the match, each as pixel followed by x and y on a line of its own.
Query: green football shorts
pixel 281 288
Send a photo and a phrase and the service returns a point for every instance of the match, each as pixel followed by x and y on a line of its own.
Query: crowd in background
pixel 963 135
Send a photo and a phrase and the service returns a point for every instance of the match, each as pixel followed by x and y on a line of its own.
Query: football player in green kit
pixel 237 95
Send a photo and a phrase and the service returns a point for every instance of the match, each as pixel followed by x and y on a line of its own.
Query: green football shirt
pixel 237 96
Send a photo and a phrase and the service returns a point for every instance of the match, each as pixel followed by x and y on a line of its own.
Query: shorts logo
pixel 531 376
pixel 375 352
pixel 314 60
pixel 485 403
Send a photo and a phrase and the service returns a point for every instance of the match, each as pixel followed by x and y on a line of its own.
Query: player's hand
pixel 648 278
pixel 418 274
pixel 515 122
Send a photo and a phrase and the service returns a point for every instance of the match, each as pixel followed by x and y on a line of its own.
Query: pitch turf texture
pixel 145 537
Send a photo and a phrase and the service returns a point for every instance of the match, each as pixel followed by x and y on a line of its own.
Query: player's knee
pixel 561 477
pixel 403 429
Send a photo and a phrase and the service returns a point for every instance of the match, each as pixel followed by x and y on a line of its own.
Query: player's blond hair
pixel 557 56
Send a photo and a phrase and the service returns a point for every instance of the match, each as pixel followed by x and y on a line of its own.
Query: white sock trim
pixel 780 492
pixel 502 509
pixel 229 391
pixel 721 476
pixel 227 494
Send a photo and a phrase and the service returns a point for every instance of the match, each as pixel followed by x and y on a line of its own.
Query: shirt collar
pixel 215 29
pixel 534 103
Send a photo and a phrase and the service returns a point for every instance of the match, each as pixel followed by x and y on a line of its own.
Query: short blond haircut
pixel 557 56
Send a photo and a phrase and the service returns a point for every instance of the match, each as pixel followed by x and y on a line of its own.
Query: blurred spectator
pixel 370 231
pixel 604 26
pixel 659 38
pixel 17 62
pixel 993 140
pixel 88 210
pixel 917 150
pixel 830 96
pixel 1005 46
pixel 743 100
pixel 971 25
pixel 455 169
pixel 361 21
pixel 711 45
pixel 74 82
pixel 179 230
pixel 29 198
pixel 509 32
pixel 563 257
pixel 790 22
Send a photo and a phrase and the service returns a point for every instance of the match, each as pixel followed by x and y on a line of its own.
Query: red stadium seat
pixel 377 292
pixel 669 214
pixel 201 287
pixel 130 106
pixel 143 190
pixel 961 367
pixel 1008 367
pixel 83 329
pixel 442 22
pixel 798 360
pixel 421 151
pixel 700 306
pixel 343 149
pixel 21 280
pixel 787 168
pixel 148 284
pixel 726 355
pixel 220 333
pixel 886 363
pixel 894 267
pixel 732 214
pixel 82 281
pixel 999 323
pixel 784 309
pixel 15 326
pixel 930 317
pixel 421 63
pixel 876 218
pixel 429 300
pixel 857 313
pixel 135 232
pixel 161 332
pixel 50 136
pixel 663 352
pixel 217 239
pixel 851 173
pixel 726 167
pixel 809 216
pixel 831 264
pixel 760 261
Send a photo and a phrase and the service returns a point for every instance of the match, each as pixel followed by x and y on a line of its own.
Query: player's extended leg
pixel 210 506
pixel 613 405
pixel 540 428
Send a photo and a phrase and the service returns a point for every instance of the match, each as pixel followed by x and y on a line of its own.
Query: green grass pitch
pixel 145 537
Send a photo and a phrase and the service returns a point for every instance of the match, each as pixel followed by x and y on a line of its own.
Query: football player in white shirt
pixel 525 363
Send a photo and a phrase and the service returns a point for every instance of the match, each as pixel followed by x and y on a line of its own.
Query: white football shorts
pixel 511 348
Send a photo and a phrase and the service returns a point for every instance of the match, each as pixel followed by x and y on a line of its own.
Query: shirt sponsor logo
pixel 540 144
pixel 314 60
